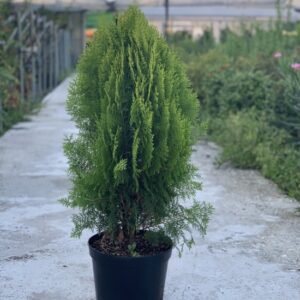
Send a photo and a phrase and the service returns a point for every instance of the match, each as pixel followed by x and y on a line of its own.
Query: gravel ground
pixel 252 250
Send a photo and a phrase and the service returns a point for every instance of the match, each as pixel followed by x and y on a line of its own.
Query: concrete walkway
pixel 252 250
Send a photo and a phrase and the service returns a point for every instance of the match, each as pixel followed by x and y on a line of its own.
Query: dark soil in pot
pixel 124 277
pixel 120 248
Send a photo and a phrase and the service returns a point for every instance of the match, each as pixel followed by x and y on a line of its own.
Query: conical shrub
pixel 129 163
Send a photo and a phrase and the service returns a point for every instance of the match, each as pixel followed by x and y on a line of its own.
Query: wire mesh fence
pixel 43 53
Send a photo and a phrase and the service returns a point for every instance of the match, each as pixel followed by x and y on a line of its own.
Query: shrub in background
pixel 281 163
pixel 246 89
pixel 250 99
pixel 239 136
pixel 288 104
pixel 10 110
pixel 187 47
pixel 203 70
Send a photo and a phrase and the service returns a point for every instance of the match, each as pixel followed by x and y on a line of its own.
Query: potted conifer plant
pixel 130 162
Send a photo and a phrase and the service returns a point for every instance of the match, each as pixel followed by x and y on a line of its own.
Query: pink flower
pixel 277 55
pixel 295 67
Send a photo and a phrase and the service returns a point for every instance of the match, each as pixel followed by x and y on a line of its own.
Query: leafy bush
pixel 203 70
pixel 134 109
pixel 246 89
pixel 188 48
pixel 9 95
pixel 94 19
pixel 256 40
pixel 288 103
pixel 206 41
pixel 281 163
pixel 248 141
pixel 227 90
pixel 250 100
pixel 240 135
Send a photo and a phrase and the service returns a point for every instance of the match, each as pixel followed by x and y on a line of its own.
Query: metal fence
pixel 44 53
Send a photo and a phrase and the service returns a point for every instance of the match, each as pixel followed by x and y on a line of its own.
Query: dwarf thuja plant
pixel 130 162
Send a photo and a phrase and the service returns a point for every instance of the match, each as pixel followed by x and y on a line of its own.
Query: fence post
pixel 1 115
pixel 68 51
pixel 33 58
pixel 56 56
pixel 62 63
pixel 39 59
pixel 44 56
pixel 51 55
pixel 21 58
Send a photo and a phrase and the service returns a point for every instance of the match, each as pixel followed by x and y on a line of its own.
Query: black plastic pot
pixel 129 278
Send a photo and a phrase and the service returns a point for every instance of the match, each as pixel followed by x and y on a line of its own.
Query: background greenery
pixel 96 19
pixel 9 86
pixel 250 99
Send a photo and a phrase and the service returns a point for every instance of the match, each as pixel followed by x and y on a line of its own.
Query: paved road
pixel 190 11
pixel 251 250
pixel 153 2
pixel 154 9
pixel 215 11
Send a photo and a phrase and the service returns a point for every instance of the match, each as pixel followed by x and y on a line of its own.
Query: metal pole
pixel 21 59
pixel 39 59
pixel 60 51
pixel 51 56
pixel 44 65
pixel 1 116
pixel 33 59
pixel 67 50
pixel 56 55
pixel 82 34
pixel 166 25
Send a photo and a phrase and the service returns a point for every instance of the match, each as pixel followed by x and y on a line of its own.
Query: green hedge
pixel 250 99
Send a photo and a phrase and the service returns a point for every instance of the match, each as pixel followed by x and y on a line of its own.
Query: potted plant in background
pixel 130 162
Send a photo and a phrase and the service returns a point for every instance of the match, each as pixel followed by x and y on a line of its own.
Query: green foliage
pixel 132 250
pixel 256 40
pixel 203 72
pixel 134 109
pixel 288 104
pixel 240 135
pixel 9 95
pixel 96 19
pixel 157 237
pixel 246 89
pixel 281 163
pixel 223 87
pixel 249 141
pixel 206 41
pixel 6 8
pixel 187 47
pixel 250 99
